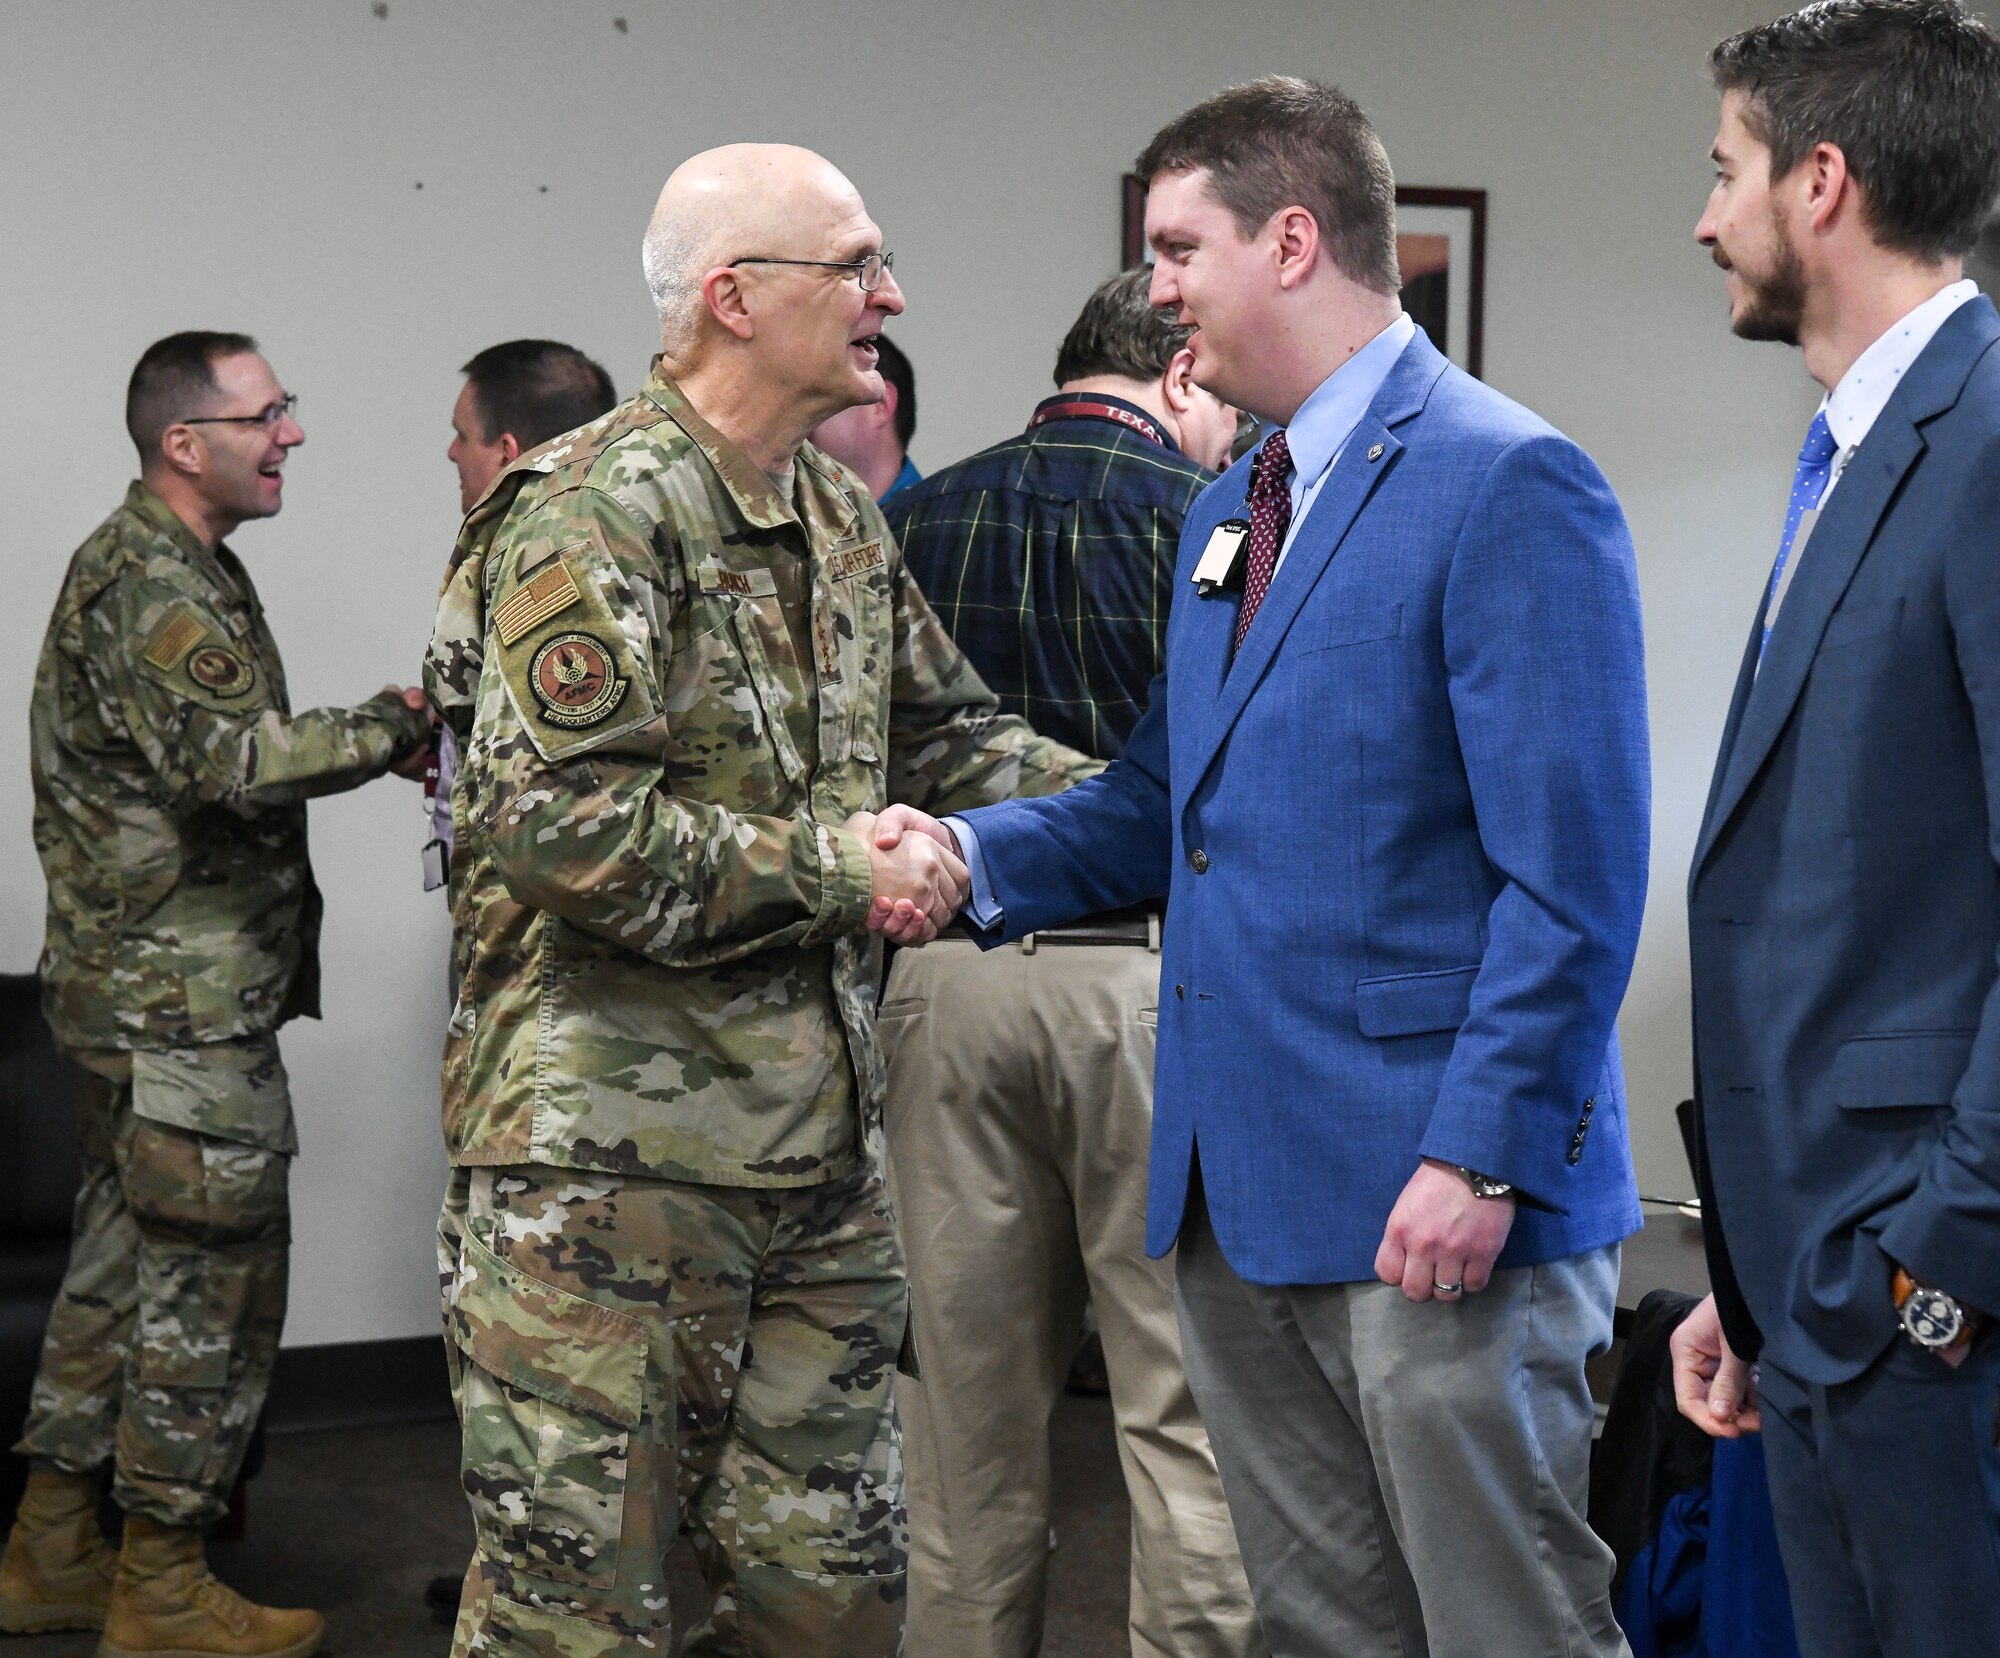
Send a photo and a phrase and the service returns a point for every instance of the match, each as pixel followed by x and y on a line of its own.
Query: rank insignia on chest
pixel 572 679
pixel 221 671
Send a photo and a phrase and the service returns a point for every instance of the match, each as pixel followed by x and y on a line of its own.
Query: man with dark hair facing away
pixel 1841 912
pixel 1021 1082
pixel 170 784
pixel 873 439
pixel 516 397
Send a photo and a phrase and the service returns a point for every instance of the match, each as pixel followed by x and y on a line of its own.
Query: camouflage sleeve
pixel 566 770
pixel 950 747
pixel 201 710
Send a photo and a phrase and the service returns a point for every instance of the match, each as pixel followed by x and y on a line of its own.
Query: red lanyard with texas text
pixel 1095 408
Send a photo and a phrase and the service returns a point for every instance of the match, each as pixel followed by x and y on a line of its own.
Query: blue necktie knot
pixel 1819 448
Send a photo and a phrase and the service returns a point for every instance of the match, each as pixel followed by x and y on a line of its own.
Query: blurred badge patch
pixel 571 678
pixel 221 671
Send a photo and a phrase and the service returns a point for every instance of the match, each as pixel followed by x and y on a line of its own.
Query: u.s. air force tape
pixel 571 678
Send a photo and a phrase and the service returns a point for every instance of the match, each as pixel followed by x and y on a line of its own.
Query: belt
pixel 1136 925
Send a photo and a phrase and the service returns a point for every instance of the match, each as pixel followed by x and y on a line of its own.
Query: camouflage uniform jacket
pixel 672 686
pixel 170 778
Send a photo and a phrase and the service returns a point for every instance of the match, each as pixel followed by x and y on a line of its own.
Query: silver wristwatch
pixel 1484 1185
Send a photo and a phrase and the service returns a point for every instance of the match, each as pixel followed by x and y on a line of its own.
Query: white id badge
pixel 1222 558
pixel 435 870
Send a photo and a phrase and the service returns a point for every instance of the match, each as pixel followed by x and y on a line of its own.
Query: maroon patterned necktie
pixel 1270 517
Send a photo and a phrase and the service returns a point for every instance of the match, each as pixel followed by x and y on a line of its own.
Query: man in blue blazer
pixel 1395 783
pixel 1844 904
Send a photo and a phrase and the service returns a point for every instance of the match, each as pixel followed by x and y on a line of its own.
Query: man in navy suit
pixel 1395 783
pixel 1844 904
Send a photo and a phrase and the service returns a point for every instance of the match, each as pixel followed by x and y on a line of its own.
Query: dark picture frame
pixel 1440 240
pixel 1441 245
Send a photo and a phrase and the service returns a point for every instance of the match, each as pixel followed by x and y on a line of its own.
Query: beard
pixel 1775 303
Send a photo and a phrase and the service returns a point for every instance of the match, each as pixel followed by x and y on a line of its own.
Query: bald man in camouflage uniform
pixel 689 666
pixel 170 778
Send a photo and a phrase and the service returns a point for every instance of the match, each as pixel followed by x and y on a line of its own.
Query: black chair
pixel 40 1171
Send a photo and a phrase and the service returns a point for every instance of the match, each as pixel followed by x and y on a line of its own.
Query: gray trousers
pixel 1407 1479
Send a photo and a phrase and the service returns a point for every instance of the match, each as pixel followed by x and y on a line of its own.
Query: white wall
pixel 243 164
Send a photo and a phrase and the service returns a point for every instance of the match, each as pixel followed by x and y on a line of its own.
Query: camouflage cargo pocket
pixel 552 1389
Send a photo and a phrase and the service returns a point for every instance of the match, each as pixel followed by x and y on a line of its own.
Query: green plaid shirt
pixel 1050 560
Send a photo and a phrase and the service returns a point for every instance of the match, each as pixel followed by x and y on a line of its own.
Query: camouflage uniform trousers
pixel 634 1358
pixel 160 1346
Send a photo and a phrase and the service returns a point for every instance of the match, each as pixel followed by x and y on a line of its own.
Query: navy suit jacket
pixel 1844 902
pixel 1404 836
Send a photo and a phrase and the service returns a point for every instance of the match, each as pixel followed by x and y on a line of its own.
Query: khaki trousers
pixel 1019 1116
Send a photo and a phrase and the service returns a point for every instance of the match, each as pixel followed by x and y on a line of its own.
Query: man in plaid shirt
pixel 1021 1081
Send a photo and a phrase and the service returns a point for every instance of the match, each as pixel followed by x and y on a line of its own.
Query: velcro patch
pixel 856 561
pixel 223 672
pixel 573 678
pixel 535 601
pixel 172 641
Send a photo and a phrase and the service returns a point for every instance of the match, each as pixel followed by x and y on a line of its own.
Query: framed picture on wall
pixel 1440 244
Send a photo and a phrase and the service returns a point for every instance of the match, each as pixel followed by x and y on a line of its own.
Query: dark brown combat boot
pixel 165 1603
pixel 56 1573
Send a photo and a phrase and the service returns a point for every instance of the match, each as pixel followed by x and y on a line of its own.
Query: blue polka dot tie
pixel 1808 485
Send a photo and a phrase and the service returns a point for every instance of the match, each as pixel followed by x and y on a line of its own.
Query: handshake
pixel 918 874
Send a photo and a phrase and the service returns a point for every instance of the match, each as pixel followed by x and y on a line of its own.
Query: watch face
pixel 1931 1318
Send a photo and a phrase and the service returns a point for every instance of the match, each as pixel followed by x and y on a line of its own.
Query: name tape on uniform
pixel 856 561
pixel 535 601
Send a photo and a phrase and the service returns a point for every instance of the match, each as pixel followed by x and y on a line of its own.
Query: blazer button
pixel 1180 992
pixel 1198 861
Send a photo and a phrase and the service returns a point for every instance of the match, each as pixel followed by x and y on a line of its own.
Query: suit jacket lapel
pixel 1365 461
pixel 1833 553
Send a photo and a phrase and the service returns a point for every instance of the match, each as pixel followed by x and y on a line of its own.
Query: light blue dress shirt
pixel 1317 435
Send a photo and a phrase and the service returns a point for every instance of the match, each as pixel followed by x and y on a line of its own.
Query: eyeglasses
pixel 268 417
pixel 868 270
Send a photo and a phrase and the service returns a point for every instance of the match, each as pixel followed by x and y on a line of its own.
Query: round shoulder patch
pixel 221 671
pixel 571 677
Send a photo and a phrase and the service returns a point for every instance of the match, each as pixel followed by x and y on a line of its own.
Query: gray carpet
pixel 356 1522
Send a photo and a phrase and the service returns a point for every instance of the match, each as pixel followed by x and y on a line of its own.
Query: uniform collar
pixel 143 504
pixel 815 483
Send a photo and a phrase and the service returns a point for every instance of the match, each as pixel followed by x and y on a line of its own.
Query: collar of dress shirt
pixel 1852 406
pixel 1325 421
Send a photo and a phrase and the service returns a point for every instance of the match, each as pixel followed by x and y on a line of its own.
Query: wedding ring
pixel 1447 1289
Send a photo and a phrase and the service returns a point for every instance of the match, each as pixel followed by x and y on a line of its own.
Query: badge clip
pixel 1221 561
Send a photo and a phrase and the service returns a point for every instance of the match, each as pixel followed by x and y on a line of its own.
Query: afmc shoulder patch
pixel 220 671
pixel 571 676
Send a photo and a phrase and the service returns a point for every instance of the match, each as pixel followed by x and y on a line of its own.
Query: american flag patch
pixel 535 601
pixel 172 642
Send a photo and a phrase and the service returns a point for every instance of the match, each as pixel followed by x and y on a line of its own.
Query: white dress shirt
pixel 1853 406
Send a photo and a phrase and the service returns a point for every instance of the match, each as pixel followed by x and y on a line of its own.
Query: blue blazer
pixel 1844 902
pixel 1404 837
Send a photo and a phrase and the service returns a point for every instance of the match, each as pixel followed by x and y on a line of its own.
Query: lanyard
pixel 1093 408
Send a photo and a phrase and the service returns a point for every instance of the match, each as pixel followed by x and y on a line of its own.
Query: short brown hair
pixel 1121 331
pixel 173 379
pixel 1909 92
pixel 1284 142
